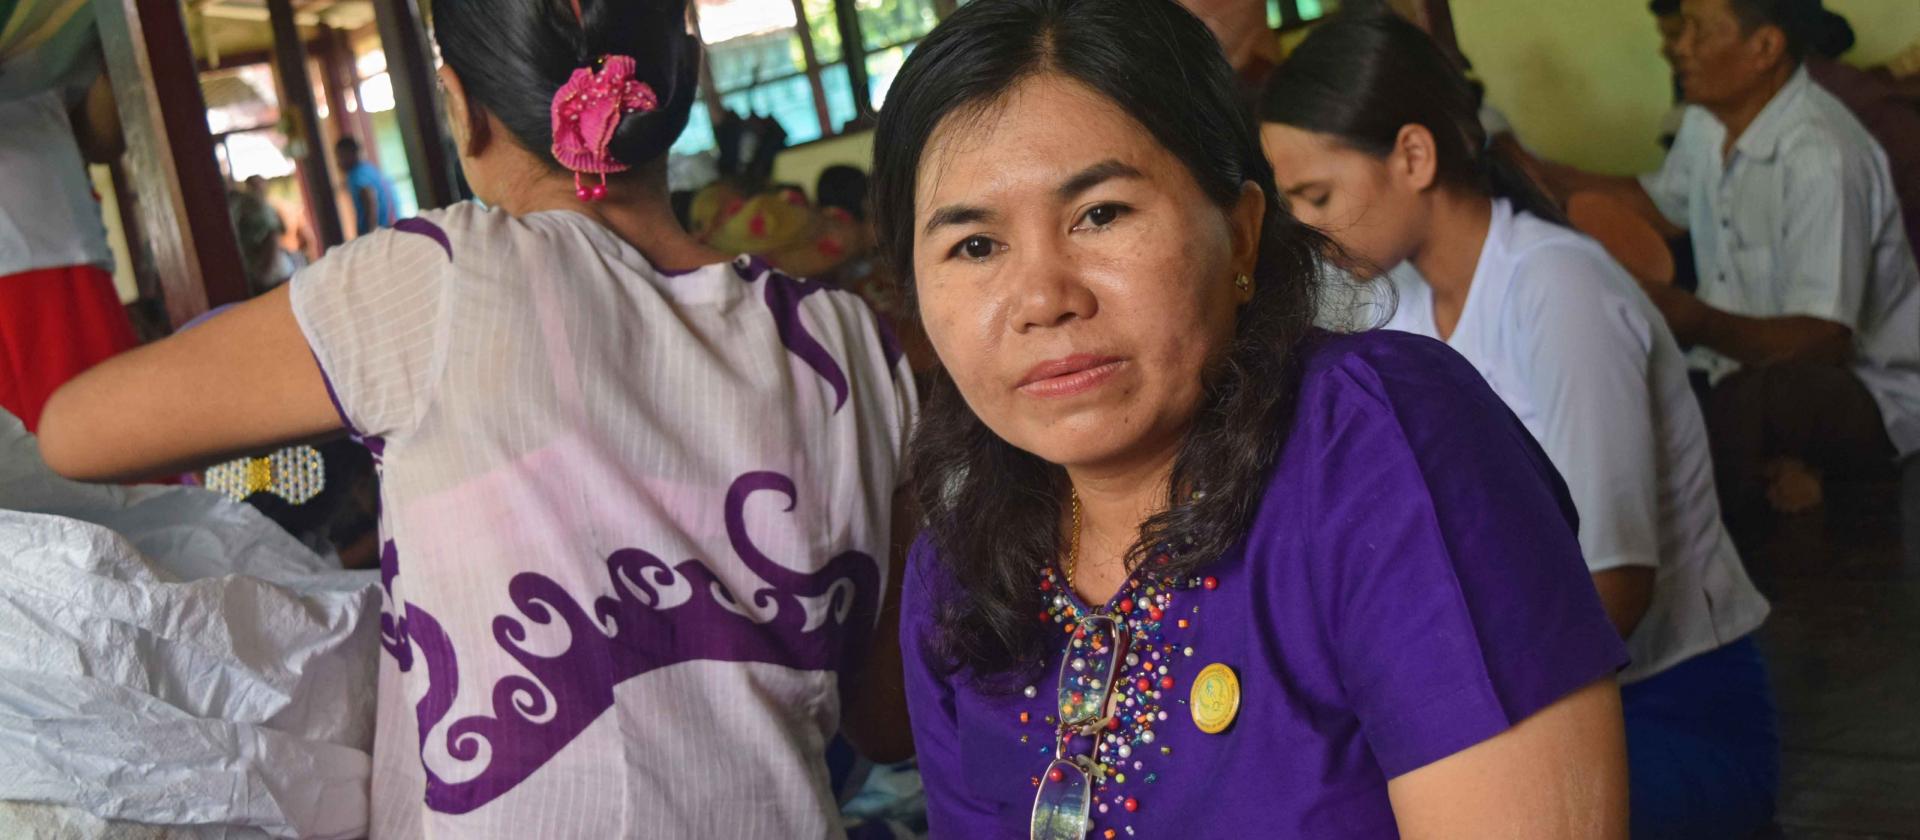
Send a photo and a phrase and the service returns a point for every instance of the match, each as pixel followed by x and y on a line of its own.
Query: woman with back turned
pixel 636 494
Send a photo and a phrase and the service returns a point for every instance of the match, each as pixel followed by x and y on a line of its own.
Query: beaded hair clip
pixel 586 112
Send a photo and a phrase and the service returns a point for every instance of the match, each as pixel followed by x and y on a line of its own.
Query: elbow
pixel 69 443
pixel 62 445
pixel 1626 593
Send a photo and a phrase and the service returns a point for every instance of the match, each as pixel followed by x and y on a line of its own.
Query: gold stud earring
pixel 1244 283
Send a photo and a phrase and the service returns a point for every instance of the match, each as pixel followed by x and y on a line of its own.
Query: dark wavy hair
pixel 512 55
pixel 991 509
pixel 1361 78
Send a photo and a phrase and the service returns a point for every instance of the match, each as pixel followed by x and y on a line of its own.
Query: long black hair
pixel 993 510
pixel 512 55
pixel 1361 78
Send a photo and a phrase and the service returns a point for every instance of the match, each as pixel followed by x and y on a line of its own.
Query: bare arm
pixel 1558 775
pixel 1626 592
pixel 96 123
pixel 1752 341
pixel 366 207
pixel 1563 181
pixel 241 382
pixel 874 715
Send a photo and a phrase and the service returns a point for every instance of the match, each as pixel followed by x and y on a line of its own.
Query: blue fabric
pixel 1703 748
pixel 366 219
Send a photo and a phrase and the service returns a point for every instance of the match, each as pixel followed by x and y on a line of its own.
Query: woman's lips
pixel 1070 376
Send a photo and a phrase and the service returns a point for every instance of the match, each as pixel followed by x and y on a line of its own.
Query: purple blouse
pixel 1411 586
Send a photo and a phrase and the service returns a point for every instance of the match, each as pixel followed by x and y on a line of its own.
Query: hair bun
pixel 642 137
pixel 512 56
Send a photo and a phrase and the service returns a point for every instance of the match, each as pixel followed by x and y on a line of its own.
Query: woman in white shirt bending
pixel 1374 138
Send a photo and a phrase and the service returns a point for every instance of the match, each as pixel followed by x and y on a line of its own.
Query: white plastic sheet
pixel 169 657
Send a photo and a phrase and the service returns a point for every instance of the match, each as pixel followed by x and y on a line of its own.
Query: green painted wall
pixel 1583 82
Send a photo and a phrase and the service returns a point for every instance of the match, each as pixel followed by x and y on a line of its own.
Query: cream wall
pixel 1582 80
pixel 123 280
pixel 803 165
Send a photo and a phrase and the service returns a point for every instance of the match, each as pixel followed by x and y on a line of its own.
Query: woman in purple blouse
pixel 1193 569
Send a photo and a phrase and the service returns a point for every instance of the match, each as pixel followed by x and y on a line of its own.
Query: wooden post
pixel 812 58
pixel 853 50
pixel 410 65
pixel 337 76
pixel 181 196
pixel 290 58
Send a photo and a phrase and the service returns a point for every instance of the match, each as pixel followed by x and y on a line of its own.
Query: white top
pixel 1584 359
pixel 634 525
pixel 1802 219
pixel 48 215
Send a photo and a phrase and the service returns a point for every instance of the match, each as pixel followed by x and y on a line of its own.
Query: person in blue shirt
pixel 373 204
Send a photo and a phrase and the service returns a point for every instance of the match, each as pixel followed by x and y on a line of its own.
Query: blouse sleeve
pixel 374 313
pixel 1584 350
pixel 951 810
pixel 1456 602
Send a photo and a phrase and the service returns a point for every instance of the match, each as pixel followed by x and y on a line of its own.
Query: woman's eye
pixel 1103 215
pixel 975 248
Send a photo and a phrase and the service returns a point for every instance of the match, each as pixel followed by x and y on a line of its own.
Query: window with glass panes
pixel 811 65
pixel 1285 13
pixel 816 65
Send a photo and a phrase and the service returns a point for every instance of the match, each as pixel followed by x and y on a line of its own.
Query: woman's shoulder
pixel 1383 367
pixel 1383 396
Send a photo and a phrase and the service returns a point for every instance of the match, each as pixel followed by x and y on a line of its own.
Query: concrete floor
pixel 1844 646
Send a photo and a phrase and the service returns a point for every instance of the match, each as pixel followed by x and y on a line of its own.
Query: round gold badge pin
pixel 1216 699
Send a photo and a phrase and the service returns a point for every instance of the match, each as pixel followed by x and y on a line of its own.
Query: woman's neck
pixel 1115 500
pixel 637 209
pixel 1449 255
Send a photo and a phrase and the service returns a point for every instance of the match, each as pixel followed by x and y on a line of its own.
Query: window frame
pixel 853 56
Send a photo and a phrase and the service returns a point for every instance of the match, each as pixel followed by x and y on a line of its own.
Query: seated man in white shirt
pixel 1807 317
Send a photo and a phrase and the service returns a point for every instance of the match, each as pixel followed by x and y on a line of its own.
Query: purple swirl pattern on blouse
pixel 783 296
pixel 620 637
pixel 393 627
pixel 426 229
pixel 889 340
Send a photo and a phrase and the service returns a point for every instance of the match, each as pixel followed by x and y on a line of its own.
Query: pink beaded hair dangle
pixel 587 110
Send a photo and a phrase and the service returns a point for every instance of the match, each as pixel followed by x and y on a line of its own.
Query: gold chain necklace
pixel 1073 545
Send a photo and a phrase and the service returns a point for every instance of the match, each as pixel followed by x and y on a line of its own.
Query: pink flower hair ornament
pixel 586 112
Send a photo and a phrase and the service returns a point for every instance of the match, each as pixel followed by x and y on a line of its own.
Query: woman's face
pixel 1072 276
pixel 1369 206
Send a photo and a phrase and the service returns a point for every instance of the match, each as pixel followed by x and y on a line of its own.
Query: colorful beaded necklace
pixel 1144 685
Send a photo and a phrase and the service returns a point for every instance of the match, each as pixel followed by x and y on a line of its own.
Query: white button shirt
pixel 1802 219
pixel 1573 346
pixel 48 215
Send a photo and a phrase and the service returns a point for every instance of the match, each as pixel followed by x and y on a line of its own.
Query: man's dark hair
pixel 347 149
pixel 844 187
pixel 1664 8
pixel 1803 22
